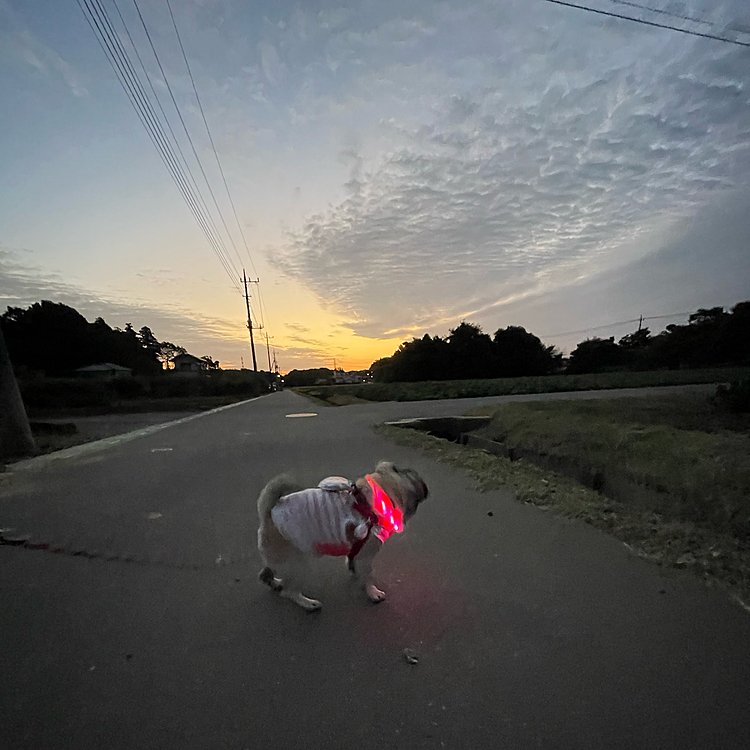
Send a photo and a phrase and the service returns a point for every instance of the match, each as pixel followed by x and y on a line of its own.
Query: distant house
pixel 104 371
pixel 189 363
pixel 355 376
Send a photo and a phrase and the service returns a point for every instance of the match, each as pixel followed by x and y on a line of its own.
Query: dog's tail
pixel 277 488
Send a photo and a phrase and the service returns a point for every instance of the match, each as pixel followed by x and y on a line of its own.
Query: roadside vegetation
pixel 712 337
pixel 169 391
pixel 338 395
pixel 671 475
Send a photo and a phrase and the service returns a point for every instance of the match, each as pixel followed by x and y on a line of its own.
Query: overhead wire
pixel 211 140
pixel 663 12
pixel 649 23
pixel 185 128
pixel 261 303
pixel 118 58
pixel 197 194
pixel 143 106
pixel 616 323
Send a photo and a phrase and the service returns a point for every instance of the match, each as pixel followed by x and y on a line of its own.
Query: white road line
pixel 39 462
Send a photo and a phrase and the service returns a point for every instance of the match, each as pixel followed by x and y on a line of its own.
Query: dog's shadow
pixel 422 609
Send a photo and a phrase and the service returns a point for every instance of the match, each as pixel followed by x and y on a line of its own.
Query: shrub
pixel 735 397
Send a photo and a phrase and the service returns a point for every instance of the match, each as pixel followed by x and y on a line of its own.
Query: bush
pixel 735 397
pixel 40 393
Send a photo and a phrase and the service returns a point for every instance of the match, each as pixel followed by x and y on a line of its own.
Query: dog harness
pixel 335 518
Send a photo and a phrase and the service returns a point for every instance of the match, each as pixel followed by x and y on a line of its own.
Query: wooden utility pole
pixel 15 433
pixel 268 349
pixel 249 316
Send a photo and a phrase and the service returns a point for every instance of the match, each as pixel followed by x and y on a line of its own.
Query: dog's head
pixel 404 486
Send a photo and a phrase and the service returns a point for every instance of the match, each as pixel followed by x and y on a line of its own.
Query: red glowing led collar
pixel 390 516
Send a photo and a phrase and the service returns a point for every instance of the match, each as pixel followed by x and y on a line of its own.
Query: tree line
pixel 712 337
pixel 56 339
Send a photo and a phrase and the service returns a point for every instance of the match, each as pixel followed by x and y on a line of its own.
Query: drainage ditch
pixel 613 483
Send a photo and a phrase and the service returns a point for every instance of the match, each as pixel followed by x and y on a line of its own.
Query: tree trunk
pixel 15 433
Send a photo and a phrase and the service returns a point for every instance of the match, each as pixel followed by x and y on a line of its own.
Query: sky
pixel 395 167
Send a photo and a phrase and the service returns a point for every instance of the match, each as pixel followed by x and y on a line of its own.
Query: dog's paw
pixel 311 605
pixel 266 576
pixel 374 594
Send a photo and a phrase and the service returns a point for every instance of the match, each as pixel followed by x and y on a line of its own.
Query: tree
pixel 148 341
pixel 635 346
pixel 211 364
pixel 735 335
pixel 470 352
pixel 167 352
pixel 595 355
pixel 56 339
pixel 518 352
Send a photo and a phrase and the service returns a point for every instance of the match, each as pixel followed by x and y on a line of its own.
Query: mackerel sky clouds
pixel 396 168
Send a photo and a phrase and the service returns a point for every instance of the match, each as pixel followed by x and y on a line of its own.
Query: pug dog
pixel 337 518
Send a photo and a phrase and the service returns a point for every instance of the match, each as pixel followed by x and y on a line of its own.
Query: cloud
pixel 299 328
pixel 537 167
pixel 45 60
pixel 272 66
pixel 22 284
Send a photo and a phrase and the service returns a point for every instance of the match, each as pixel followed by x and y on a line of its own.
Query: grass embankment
pixel 681 464
pixel 339 395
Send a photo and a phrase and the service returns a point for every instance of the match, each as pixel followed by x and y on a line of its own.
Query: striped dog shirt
pixel 321 521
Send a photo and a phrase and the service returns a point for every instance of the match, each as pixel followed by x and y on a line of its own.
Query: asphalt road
pixel 531 631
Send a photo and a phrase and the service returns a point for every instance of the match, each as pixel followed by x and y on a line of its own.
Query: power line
pixel 206 213
pixel 663 12
pixel 210 138
pixel 149 119
pixel 649 23
pixel 262 306
pixel 100 24
pixel 187 132
pixel 612 325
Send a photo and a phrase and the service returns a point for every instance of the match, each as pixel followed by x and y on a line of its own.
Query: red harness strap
pixel 386 516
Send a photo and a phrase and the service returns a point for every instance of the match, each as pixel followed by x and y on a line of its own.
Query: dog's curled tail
pixel 277 488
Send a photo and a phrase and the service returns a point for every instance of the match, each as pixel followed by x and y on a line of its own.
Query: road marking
pixel 161 450
pixel 39 462
pixel 302 414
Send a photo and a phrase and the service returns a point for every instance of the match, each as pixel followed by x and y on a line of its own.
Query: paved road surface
pixel 532 631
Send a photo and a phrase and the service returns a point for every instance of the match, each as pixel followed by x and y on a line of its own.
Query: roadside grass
pixel 681 456
pixel 55 436
pixel 331 398
pixel 688 464
pixel 445 389
pixel 47 442
pixel 135 406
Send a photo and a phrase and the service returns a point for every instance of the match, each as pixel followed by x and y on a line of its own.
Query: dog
pixel 335 518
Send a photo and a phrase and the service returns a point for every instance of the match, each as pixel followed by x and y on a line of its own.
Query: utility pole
pixel 249 317
pixel 640 323
pixel 15 433
pixel 268 349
